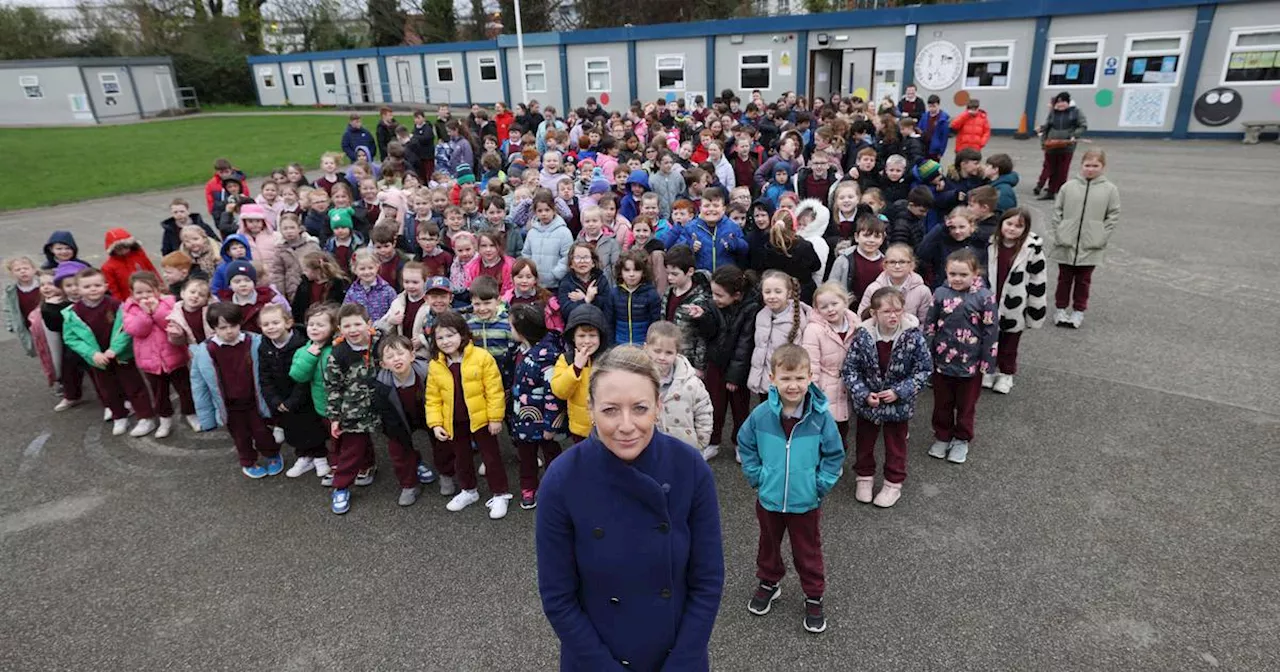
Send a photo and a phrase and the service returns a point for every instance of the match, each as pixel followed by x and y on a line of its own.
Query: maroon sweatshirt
pixel 234 365
pixel 100 319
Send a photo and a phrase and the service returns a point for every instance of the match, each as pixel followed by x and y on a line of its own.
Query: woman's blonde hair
pixel 623 359
pixel 782 232
pixel 325 264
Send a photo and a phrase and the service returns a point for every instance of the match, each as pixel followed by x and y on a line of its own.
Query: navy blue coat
pixel 630 561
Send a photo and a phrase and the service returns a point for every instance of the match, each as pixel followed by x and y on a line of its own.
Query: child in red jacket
pixel 125 257
pixel 972 129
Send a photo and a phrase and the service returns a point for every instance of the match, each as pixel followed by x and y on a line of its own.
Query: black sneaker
pixel 814 620
pixel 1036 190
pixel 763 598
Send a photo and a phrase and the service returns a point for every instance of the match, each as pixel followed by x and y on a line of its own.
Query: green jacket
pixel 79 337
pixel 1085 215
pixel 15 322
pixel 307 367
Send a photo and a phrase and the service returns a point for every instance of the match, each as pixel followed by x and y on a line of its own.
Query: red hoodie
pixel 214 186
pixel 118 267
pixel 503 122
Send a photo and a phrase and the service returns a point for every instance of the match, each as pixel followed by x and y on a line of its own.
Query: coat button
pixel 614 600
pixel 598 533
pixel 666 593
pixel 664 527
pixel 626 663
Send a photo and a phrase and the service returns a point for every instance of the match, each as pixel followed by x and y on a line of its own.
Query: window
pixel 671 72
pixel 268 77
pixel 755 70
pixel 296 76
pixel 762 7
pixel 444 69
pixel 1253 56
pixel 31 87
pixel 1073 61
pixel 488 68
pixel 110 83
pixel 328 76
pixel 986 65
pixel 535 76
pixel 784 7
pixel 1153 59
pixel 598 77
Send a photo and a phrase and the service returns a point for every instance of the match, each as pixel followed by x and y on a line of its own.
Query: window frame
pixel 1008 60
pixel 297 78
pixel 1183 38
pixel 493 63
pixel 657 66
pixel 267 77
pixel 768 68
pixel 31 84
pixel 328 70
pixel 542 70
pixel 608 73
pixel 448 60
pixel 1098 56
pixel 105 78
pixel 1233 46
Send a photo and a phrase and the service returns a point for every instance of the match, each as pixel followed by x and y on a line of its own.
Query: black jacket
pixel 802 263
pixel 903 227
pixel 273 374
pixel 732 349
pixel 385 134
pixel 386 401
pixel 172 233
pixel 301 299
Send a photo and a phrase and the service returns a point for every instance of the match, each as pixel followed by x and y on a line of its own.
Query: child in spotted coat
pixel 962 332
pixel 1021 285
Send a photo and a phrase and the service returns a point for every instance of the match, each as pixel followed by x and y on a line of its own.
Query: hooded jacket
pixel 697 332
pixel 285 270
pixel 1004 185
pixel 219 281
pixel 567 382
pixel 632 312
pixel 917 294
pixel 908 371
pixel 630 206
pixel 65 238
pixel 771 331
pixel 818 234
pixel 686 406
pixel 386 401
pixel 279 389
pixel 1068 124
pixel 791 473
pixel 171 237
pixel 534 409
pixel 668 187
pixel 548 246
pixel 731 349
pixel 1085 214
pixel 603 299
pixel 118 268
pixel 972 129
pixel 826 355
pixel 1023 297
pixel 263 245
pixel 152 350
pixel 757 238
pixel 481 388
pixel 356 137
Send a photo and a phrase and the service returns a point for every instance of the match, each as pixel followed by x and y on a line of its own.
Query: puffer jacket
pixel 668 187
pixel 219 281
pixel 697 333
pixel 264 244
pixel 800 262
pixel 534 409
pixel 826 355
pixel 1068 124
pixel 285 269
pixel 726 245
pixel 211 408
pixel 791 474
pixel 972 130
pixel 548 246
pixel 816 233
pixel 631 312
pixel 1004 186
pixel 472 270
pixel 188 338
pixel 77 335
pixel 1085 215
pixel 771 331
pixel 686 406
pixel 731 349
pixel 569 384
pixel 152 350
pixel 630 207
pixel 909 369
pixel 278 387
pixel 917 294
pixel 376 299
pixel 1024 297
pixel 118 268
pixel 309 368
pixel 481 387
pixel 603 299
pixel 348 386
pixel 962 331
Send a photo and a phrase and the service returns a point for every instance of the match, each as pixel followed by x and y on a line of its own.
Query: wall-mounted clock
pixel 938 65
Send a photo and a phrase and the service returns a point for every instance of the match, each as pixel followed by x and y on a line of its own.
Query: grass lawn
pixel 64 165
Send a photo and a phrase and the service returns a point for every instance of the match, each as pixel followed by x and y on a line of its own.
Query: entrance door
pixel 824 73
pixel 164 84
pixel 858 74
pixel 362 77
pixel 405 82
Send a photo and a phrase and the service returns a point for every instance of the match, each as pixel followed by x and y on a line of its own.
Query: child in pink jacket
pixel 828 337
pixel 146 319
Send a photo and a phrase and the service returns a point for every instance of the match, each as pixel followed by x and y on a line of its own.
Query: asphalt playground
pixel 1119 509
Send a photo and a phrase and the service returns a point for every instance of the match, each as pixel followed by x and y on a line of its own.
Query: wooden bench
pixel 1253 129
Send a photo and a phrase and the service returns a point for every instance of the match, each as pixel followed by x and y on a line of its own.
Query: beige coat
pixel 284 270
pixel 686 406
pixel 1085 215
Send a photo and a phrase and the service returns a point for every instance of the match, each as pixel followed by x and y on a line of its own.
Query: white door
pixel 164 84
pixel 405 82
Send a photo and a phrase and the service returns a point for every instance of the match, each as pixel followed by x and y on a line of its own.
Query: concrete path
pixel 1118 510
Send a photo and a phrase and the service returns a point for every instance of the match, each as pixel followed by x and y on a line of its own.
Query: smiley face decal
pixel 1218 107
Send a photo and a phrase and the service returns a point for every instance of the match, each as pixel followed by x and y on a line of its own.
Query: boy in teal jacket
pixel 792 455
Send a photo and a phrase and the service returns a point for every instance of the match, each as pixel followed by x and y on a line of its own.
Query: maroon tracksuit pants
pixel 121 381
pixel 895 450
pixel 528 452
pixel 954 402
pixel 404 460
pixel 352 453
pixel 251 436
pixel 723 400
pixel 805 530
pixel 453 457
pixel 1059 164
pixel 179 379
pixel 1007 352
pixel 1073 287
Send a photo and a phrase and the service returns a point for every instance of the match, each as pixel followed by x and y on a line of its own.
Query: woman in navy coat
pixel 630 562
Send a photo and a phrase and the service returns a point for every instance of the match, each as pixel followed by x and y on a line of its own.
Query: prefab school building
pixel 86 90
pixel 1172 68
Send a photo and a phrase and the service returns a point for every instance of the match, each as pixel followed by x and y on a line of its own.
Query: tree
pixel 439 21
pixel 250 14
pixel 479 19
pixel 386 23
pixel 26 32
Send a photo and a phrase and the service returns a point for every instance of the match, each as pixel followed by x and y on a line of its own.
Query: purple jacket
pixel 376 299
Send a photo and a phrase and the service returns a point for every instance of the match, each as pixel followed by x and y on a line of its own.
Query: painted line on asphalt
pixel 32 452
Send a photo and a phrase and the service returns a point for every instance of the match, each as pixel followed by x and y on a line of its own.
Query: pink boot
pixel 862 488
pixel 889 495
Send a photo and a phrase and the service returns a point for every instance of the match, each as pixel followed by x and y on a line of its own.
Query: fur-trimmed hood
pixel 821 218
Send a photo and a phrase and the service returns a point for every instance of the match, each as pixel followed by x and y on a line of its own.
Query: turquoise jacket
pixel 211 408
pixel 791 474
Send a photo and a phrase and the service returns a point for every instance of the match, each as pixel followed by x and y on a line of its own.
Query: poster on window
pixel 1144 108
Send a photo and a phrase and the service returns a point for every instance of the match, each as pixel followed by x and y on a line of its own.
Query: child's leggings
pixel 895 450
pixel 1073 287
pixel 954 402
pixel 495 474
pixel 121 381
pixel 251 436
pixel 180 380
pixel 723 400
pixel 528 452
pixel 404 460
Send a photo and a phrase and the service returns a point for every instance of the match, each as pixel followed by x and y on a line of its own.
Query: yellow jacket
pixel 573 389
pixel 481 386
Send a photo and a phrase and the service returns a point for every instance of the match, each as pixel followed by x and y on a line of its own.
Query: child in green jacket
pixel 308 366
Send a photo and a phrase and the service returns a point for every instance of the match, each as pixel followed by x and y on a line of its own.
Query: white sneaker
pixel 462 500
pixel 1077 317
pixel 106 415
pixel 165 428
pixel 1004 383
pixel 1062 316
pixel 277 433
pixel 143 428
pixel 540 463
pixel 481 470
pixel 67 403
pixel 302 466
pixel 322 467
pixel 737 455
pixel 988 379
pixel 119 427
pixel 710 452
pixel 193 421
pixel 497 506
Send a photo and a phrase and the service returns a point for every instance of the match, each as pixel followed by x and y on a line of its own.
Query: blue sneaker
pixel 426 474
pixel 255 471
pixel 275 465
pixel 341 501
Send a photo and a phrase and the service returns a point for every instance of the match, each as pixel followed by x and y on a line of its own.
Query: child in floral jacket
pixel 537 415
pixel 962 332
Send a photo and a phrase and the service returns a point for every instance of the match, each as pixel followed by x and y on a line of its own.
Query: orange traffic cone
pixel 1022 133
